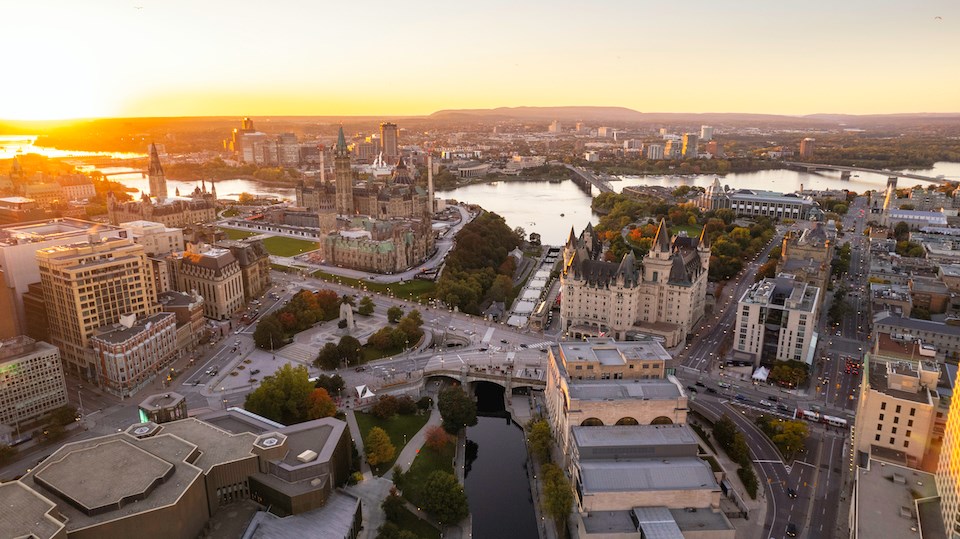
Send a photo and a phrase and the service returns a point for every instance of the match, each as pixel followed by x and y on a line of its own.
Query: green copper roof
pixel 341 141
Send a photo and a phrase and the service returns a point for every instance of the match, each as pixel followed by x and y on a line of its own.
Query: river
pixel 496 480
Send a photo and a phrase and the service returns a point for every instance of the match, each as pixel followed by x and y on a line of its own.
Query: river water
pixel 496 480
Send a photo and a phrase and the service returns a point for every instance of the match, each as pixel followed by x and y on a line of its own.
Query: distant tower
pixel 706 133
pixel 388 142
pixel 888 201
pixel 16 171
pixel 806 147
pixel 344 178
pixel 690 146
pixel 158 182
pixel 430 183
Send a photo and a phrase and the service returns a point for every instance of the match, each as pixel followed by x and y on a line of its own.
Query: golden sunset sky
pixel 103 58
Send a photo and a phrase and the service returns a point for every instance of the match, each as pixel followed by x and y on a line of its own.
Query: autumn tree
pixel 540 438
pixel 282 396
pixel 437 438
pixel 378 447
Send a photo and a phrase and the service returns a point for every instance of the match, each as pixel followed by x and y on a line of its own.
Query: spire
pixel 662 241
pixel 704 242
pixel 155 167
pixel 341 148
pixel 16 169
pixel 572 239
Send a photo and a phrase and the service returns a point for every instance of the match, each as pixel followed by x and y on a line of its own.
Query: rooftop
pixel 886 496
pixel 50 230
pixel 162 400
pixel 25 514
pixel 118 333
pixel 332 521
pixel 879 381
pixel 217 446
pixel 610 352
pixel 622 389
pixel 634 435
pixel 914 324
pixel 687 473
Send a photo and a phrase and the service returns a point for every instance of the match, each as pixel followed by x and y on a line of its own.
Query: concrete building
pixel 948 472
pixel 605 132
pixel 18 260
pixel 754 202
pixel 90 285
pixel 706 133
pixel 895 502
pixel 661 295
pixel 214 273
pixel 31 381
pixel 389 141
pixel 131 353
pixel 806 147
pixel 173 477
pixel 672 149
pixel 621 395
pixel 691 146
pixel 929 293
pixel 654 152
pixel 157 239
pixel 776 321
pixel 929 199
pixel 943 336
pixel 76 187
pixel 808 256
pixel 555 127
pixel 163 408
pixel 254 263
pixel 897 409
pixel 715 149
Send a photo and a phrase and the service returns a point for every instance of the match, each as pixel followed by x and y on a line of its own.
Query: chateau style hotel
pixel 661 295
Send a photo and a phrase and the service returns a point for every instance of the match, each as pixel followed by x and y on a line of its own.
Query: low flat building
pixel 895 502
pixel 163 408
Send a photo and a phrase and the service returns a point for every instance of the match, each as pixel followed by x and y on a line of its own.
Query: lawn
pixel 284 246
pixel 427 462
pixel 693 231
pixel 413 290
pixel 396 428
pixel 410 522
pixel 234 234
pixel 372 354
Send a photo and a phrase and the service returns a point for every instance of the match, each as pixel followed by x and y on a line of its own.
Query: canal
pixel 496 476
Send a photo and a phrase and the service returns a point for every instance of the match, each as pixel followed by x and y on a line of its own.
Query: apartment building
pixel 131 353
pixel 776 321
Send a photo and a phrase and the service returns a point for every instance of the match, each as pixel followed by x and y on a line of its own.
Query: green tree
pixel 282 396
pixel 269 334
pixel 790 438
pixel 557 495
pixel 393 506
pixel 457 409
pixel 319 404
pixel 541 440
pixel 501 288
pixel 921 313
pixel 378 447
pixel 366 306
pixel 7 454
pixel 393 314
pixel 901 231
pixel 333 384
pixel 350 349
pixel 328 358
pixel 63 415
pixel 444 498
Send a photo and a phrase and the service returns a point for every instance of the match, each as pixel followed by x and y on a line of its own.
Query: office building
pixel 706 133
pixel 165 481
pixel 214 273
pixel 188 309
pixel 660 295
pixel 20 243
pixel 776 321
pixel 942 336
pixel 806 147
pixel 948 471
pixel 654 151
pixel 131 353
pixel 157 239
pixel 671 149
pixel 715 149
pixel 808 256
pixel 389 142
pixel 90 285
pixel 31 382
pixel 254 261
pixel 691 146
pixel 555 127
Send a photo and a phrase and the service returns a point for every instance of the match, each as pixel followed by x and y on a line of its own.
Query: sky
pixel 136 58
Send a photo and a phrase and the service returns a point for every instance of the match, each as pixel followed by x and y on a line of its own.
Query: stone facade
pixel 662 295
pixel 213 273
pixel 254 263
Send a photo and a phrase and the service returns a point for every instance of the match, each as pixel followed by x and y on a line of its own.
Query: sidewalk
pixel 358 441
pixel 409 452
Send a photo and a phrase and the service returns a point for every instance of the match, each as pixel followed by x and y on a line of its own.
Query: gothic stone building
pixel 661 295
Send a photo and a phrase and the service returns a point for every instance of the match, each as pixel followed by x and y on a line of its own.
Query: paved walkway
pixel 409 451
pixel 358 441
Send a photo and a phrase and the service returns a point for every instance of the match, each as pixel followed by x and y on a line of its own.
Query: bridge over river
pixel 811 167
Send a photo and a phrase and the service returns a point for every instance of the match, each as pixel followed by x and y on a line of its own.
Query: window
pixel 898 408
pixel 879 426
pixel 896 419
pixel 913 412
pixel 892 441
pixel 893 430
pixel 909 422
pixel 906 443
pixel 881 417
pixel 883 405
pixel 877 438
pixel 908 433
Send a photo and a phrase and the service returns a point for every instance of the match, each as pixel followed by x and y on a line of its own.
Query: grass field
pixel 234 234
pixel 427 462
pixel 692 231
pixel 284 246
pixel 396 428
pixel 410 522
pixel 413 290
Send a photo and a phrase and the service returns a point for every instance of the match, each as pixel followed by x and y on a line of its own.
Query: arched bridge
pixel 588 178
pixel 810 167
pixel 509 377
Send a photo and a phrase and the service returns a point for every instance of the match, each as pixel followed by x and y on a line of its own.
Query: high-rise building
pixel 715 149
pixel 671 150
pixel 555 127
pixel 582 128
pixel 776 321
pixel 706 133
pixel 158 180
pixel 806 147
pixel 654 152
pixel 90 285
pixel 389 142
pixel 33 382
pixel 604 132
pixel 690 146
pixel 343 175
pixel 948 472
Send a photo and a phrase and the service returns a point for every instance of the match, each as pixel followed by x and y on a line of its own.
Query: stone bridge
pixel 509 377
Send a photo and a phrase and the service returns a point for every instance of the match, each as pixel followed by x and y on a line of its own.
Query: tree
pixel 557 495
pixel 444 498
pixel 366 306
pixel 381 340
pixel 457 409
pixel 328 358
pixel 385 407
pixel 921 313
pixel 269 334
pixel 378 447
pixel 333 384
pixel 282 396
pixel 349 349
pixel 246 199
pixel 901 231
pixel 437 438
pixel 541 440
pixel 393 506
pixel 390 530
pixel 791 437
pixel 7 454
pixel 319 404
pixel 63 415
pixel 410 327
pixel 393 314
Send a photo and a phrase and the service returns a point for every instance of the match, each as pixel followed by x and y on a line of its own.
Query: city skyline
pixel 145 58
